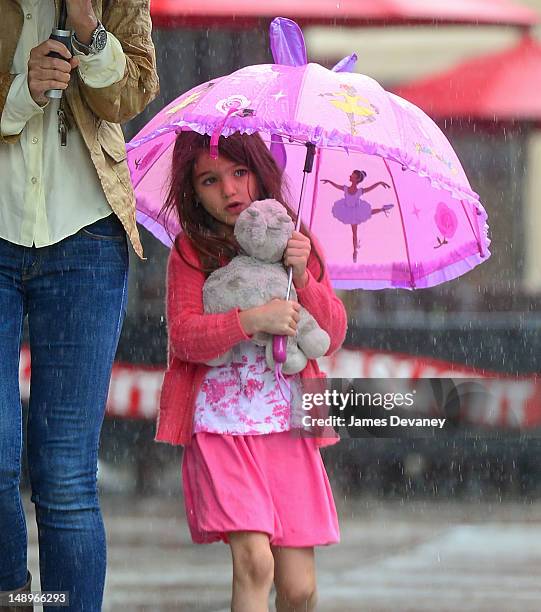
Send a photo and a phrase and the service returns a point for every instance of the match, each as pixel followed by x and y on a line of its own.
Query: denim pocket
pixel 108 228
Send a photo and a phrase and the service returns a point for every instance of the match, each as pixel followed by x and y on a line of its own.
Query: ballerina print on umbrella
pixel 359 110
pixel 353 210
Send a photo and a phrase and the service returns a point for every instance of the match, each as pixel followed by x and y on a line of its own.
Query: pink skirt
pixel 274 483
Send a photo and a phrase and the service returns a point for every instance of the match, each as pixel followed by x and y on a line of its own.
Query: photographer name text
pixel 393 421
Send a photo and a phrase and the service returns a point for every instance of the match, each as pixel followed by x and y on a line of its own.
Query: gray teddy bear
pixel 258 276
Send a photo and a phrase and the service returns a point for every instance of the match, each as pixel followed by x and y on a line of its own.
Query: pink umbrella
pixel 388 198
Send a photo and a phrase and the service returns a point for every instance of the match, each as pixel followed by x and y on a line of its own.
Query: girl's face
pixel 224 187
pixel 355 178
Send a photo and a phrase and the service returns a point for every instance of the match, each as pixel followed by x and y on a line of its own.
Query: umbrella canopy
pixel 247 13
pixel 503 85
pixel 388 197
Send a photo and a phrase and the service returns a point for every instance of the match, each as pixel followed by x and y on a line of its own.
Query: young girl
pixel 247 480
pixel 351 209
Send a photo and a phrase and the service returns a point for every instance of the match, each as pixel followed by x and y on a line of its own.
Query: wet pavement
pixel 399 556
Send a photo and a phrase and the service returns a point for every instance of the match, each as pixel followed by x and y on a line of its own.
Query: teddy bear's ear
pixel 284 218
pixel 253 212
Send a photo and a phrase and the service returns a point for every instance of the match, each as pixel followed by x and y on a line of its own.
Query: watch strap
pixel 91 48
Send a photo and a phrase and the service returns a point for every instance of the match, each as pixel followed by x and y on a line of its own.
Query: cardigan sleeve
pixel 193 335
pixel 323 304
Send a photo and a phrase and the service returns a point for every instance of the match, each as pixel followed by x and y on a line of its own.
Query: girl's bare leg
pixel 253 570
pixel 294 579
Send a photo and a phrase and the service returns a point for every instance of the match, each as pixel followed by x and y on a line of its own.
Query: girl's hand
pixel 296 255
pixel 386 185
pixel 277 317
pixel 325 181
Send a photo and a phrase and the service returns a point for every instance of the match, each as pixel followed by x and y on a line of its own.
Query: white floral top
pixel 243 397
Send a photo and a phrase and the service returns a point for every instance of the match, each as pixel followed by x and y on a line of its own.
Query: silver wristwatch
pixel 98 41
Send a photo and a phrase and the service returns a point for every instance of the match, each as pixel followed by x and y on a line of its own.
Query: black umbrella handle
pixel 310 155
pixel 61 35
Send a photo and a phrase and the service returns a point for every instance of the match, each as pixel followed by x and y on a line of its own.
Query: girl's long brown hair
pixel 201 229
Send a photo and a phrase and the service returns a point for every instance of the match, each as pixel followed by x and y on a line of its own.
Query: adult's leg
pixel 77 300
pixel 13 537
pixel 294 579
pixel 253 569
pixel 15 599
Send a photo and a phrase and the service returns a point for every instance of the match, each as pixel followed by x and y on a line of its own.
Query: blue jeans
pixel 74 294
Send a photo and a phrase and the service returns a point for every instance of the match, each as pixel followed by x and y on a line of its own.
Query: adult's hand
pixel 82 19
pixel 46 73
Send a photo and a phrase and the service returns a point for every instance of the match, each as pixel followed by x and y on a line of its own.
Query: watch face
pixel 101 40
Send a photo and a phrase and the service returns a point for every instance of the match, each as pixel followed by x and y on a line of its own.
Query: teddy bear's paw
pixel 294 363
pixel 260 338
pixel 268 355
pixel 218 361
pixel 315 343
pixel 295 360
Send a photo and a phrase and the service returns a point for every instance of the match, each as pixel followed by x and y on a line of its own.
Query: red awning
pixel 247 13
pixel 503 85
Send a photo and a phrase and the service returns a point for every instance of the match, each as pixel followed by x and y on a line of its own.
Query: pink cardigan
pixel 195 338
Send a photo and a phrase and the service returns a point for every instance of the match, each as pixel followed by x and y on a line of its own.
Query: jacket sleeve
pixel 129 21
pixel 323 304
pixel 105 68
pixel 193 335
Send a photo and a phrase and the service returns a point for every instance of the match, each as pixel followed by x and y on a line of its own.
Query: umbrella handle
pixel 279 343
pixel 279 348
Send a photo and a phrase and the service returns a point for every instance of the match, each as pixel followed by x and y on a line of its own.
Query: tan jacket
pixel 98 113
